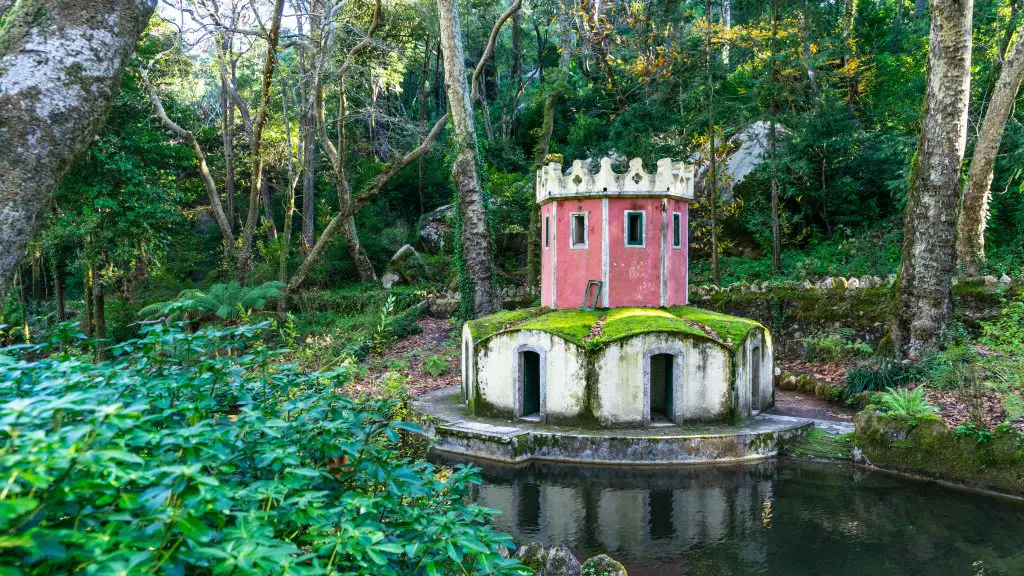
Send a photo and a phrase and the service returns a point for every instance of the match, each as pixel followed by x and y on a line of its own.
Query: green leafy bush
pixel 194 453
pixel 224 301
pixel 880 374
pixel 906 402
pixel 836 345
pixel 435 365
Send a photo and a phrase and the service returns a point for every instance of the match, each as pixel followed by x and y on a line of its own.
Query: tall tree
pixel 712 184
pixel 923 292
pixel 60 67
pixel 476 241
pixel 977 192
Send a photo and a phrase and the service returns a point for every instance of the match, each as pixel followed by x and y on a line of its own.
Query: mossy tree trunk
pixel 60 67
pixel 977 192
pixel 924 301
pixel 476 241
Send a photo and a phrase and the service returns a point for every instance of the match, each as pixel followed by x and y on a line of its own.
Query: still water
pixel 772 517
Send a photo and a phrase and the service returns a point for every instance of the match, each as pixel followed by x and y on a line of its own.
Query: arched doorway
pixel 662 371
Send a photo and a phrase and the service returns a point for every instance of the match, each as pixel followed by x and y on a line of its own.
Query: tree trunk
pixel 974 210
pixel 712 155
pixel 60 66
pixel 475 237
pixel 727 25
pixel 58 288
pixel 227 110
pixel 37 276
pixel 289 210
pixel 86 324
pixel 773 144
pixel 269 64
pixel 99 317
pixel 923 291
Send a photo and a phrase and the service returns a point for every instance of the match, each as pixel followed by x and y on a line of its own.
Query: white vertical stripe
pixel 604 252
pixel 554 254
pixel 664 252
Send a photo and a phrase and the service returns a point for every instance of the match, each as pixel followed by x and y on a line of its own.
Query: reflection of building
pixel 616 244
pixel 632 514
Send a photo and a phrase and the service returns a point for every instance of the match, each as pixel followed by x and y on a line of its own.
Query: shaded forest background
pixel 356 87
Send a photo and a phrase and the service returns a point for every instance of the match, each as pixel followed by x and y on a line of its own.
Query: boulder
pixel 853 284
pixel 1004 279
pixel 562 562
pixel 532 556
pixel 405 266
pixel 603 565
pixel 434 229
pixel 840 283
pixel 989 280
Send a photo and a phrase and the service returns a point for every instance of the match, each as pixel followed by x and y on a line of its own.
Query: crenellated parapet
pixel 672 179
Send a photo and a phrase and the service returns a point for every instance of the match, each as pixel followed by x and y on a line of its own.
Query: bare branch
pixel 516 5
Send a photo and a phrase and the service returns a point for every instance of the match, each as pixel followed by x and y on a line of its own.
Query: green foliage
pixel 880 374
pixel 906 402
pixel 223 301
pixel 382 335
pixel 195 453
pixel 835 345
pixel 435 365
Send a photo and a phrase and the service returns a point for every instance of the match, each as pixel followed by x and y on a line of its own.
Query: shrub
pixel 905 402
pixel 837 345
pixel 224 301
pixel 194 453
pixel 435 365
pixel 880 374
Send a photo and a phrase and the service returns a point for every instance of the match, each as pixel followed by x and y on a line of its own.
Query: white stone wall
pixel 705 386
pixel 700 384
pixel 563 376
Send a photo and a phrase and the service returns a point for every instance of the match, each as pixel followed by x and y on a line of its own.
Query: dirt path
pixel 792 403
pixel 408 358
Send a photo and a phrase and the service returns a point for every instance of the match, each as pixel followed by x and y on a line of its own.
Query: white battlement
pixel 673 179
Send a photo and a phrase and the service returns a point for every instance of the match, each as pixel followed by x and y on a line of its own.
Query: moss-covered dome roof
pixel 598 328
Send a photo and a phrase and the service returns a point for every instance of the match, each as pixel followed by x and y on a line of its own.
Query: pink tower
pixel 623 233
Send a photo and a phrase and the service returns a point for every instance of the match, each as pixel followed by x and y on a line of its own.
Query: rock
pixel 603 565
pixel 890 279
pixel 434 229
pixel 389 279
pixel 852 284
pixel 877 282
pixel 443 306
pixel 406 265
pixel 989 280
pixel 807 285
pixel 532 556
pixel 841 283
pixel 562 562
pixel 1004 279
pixel 865 281
pixel 827 284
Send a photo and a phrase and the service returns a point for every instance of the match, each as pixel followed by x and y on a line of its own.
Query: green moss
pixel 926 447
pixel 573 325
pixel 491 325
pixel 576 326
pixel 821 445
pixel 731 328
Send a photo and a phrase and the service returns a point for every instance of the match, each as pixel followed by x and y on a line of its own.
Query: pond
pixel 771 517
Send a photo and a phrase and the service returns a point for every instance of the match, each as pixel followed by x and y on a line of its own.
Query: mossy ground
pixel 821 445
pixel 576 326
pixel 926 447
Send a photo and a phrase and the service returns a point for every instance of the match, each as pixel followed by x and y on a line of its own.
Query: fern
pixel 905 402
pixel 224 301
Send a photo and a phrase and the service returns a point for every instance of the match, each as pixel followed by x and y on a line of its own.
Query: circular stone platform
pixel 455 431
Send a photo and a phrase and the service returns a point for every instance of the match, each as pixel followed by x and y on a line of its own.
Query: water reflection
pixel 762 518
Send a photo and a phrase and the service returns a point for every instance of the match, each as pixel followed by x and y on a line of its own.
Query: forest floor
pixel 793 403
pixel 410 357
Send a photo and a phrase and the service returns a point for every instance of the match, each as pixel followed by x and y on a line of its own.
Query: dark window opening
pixel 755 379
pixel 661 386
pixel 579 230
pixel 677 230
pixel 529 363
pixel 634 228
pixel 547 231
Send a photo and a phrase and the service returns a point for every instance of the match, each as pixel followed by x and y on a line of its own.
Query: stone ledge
pixel 521 441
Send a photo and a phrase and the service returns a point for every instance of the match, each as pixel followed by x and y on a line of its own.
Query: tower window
pixel 634 228
pixel 578 230
pixel 677 230
pixel 547 231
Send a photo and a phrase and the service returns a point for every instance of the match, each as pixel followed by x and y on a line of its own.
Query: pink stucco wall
pixel 634 275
